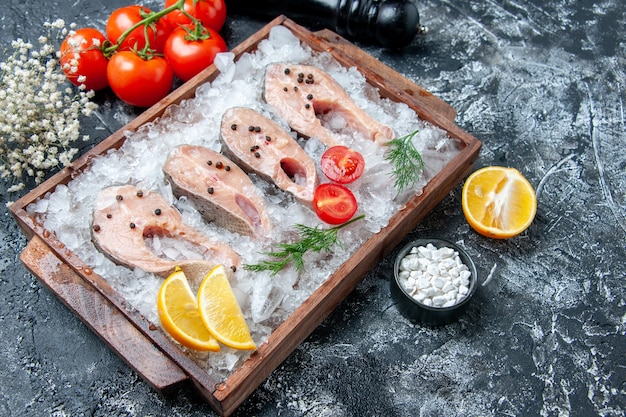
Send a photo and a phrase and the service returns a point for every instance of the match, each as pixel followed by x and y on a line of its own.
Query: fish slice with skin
pixel 124 216
pixel 260 145
pixel 220 190
pixel 299 93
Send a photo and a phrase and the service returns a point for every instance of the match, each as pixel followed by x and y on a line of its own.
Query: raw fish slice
pixel 124 216
pixel 260 145
pixel 299 93
pixel 220 190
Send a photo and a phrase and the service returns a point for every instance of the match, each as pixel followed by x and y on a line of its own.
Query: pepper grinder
pixel 389 23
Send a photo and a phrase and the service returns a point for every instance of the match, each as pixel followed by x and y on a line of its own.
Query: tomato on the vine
pixel 126 17
pixel 212 13
pixel 342 164
pixel 82 59
pixel 334 203
pixel 187 56
pixel 138 81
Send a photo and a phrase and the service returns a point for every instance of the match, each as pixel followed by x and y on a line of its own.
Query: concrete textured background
pixel 542 85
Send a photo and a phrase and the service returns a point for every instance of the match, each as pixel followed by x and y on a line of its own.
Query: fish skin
pixel 289 97
pixel 279 160
pixel 116 207
pixel 234 202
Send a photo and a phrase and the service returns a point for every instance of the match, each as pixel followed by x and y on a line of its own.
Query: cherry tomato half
pixel 82 60
pixel 212 13
pixel 125 17
pixel 189 57
pixel 342 164
pixel 334 203
pixel 137 81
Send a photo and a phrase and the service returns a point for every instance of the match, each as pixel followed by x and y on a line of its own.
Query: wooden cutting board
pixel 142 345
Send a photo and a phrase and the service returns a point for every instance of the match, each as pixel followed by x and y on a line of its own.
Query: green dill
pixel 313 239
pixel 407 162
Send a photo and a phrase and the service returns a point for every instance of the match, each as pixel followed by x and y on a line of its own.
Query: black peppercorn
pixel 157 212
pixel 210 190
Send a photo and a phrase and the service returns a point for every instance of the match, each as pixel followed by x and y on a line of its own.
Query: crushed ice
pixel 265 300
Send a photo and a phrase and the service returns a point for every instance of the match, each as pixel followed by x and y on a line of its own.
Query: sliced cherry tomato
pixel 334 203
pixel 137 81
pixel 212 13
pixel 82 60
pixel 342 164
pixel 126 17
pixel 188 57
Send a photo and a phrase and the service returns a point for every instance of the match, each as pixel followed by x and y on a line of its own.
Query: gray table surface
pixel 542 85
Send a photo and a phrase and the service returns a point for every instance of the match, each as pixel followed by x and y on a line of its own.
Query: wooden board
pixel 130 335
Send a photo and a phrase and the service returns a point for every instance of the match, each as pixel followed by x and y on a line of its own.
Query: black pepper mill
pixel 389 23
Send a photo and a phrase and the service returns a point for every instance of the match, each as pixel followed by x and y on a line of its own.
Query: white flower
pixel 40 112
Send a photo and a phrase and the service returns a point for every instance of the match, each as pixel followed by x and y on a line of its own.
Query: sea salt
pixel 266 301
pixel 444 279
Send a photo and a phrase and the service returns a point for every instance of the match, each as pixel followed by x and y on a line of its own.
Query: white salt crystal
pixel 439 300
pixel 423 283
pixel 449 303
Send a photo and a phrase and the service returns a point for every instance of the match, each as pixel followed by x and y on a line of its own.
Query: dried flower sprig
pixel 40 116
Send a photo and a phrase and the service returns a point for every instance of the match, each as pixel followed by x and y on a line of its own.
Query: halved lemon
pixel 499 202
pixel 179 314
pixel 220 311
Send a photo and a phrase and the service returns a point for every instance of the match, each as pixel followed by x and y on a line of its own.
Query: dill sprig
pixel 406 160
pixel 313 239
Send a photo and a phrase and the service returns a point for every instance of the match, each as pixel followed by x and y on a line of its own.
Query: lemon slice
pixel 498 202
pixel 220 311
pixel 179 314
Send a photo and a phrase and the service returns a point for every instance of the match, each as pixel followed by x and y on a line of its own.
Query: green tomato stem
pixel 153 17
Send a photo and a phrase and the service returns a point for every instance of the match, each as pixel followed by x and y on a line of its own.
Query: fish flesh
pixel 301 93
pixel 125 216
pixel 219 189
pixel 260 145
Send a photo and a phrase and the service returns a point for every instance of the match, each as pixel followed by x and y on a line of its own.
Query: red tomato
pixel 137 81
pixel 82 60
pixel 212 13
pixel 189 57
pixel 342 164
pixel 124 18
pixel 334 203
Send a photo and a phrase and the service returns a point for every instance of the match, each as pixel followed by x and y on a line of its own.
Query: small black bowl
pixel 422 313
